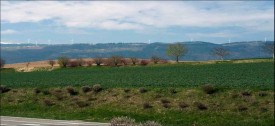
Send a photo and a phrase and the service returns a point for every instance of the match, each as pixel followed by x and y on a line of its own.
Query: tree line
pixel 176 51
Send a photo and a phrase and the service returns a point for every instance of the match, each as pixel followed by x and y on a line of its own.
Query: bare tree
pixel 155 59
pixel 51 62
pixel 98 61
pixel 114 60
pixel 134 60
pixel 63 61
pixel 80 62
pixel 269 48
pixel 176 50
pixel 220 52
pixel 2 62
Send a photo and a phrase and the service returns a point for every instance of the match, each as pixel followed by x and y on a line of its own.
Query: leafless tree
pixel 2 62
pixel 134 60
pixel 269 48
pixel 63 61
pixel 155 59
pixel 220 52
pixel 51 62
pixel 98 61
pixel 114 60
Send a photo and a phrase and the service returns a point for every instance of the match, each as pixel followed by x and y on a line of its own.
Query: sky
pixel 66 22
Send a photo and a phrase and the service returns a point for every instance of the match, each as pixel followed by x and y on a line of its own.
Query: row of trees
pixel 176 51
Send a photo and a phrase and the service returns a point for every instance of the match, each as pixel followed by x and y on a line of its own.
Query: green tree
pixel 176 50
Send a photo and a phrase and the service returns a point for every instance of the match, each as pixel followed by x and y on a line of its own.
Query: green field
pixel 226 75
pixel 244 93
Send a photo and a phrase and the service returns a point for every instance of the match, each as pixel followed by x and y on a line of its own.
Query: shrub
pixel 235 95
pixel 63 61
pixel 97 88
pixel 127 90
pixel 246 93
pixel 144 62
pixel 173 91
pixel 114 61
pixel 142 90
pixel 242 108
pixel 146 106
pixel 183 105
pixel 73 63
pixel 122 121
pixel 46 92
pixel 164 101
pixel 209 89
pixel 82 104
pixel 98 61
pixel 51 63
pixel 4 89
pixel 151 123
pixel 2 63
pixel 155 59
pixel 263 93
pixel 134 60
pixel 71 91
pixel 49 102
pixel 200 106
pixel 166 105
pixel 36 91
pixel 89 63
pixel 80 62
pixel 263 109
pixel 124 61
pixel 86 89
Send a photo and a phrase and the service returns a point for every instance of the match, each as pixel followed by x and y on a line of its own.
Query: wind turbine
pixel 49 41
pixel 149 41
pixel 29 41
pixel 229 41
pixel 35 43
pixel 265 39
pixel 72 41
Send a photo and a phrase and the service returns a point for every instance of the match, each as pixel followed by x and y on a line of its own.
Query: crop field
pixel 186 94
pixel 226 75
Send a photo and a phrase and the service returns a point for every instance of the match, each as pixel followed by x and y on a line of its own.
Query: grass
pixel 173 95
pixel 222 109
pixel 225 75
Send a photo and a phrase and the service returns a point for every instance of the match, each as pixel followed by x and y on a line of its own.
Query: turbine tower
pixel 229 41
pixel 29 41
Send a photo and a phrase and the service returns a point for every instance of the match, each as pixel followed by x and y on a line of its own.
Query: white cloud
pixel 8 31
pixel 137 15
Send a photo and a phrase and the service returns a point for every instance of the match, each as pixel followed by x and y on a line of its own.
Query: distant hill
pixel 197 51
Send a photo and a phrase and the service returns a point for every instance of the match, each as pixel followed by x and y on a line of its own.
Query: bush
pixel 51 63
pixel 164 101
pixel 201 106
pixel 80 62
pixel 2 63
pixel 142 90
pixel 71 91
pixel 127 90
pixel 166 105
pixel 82 104
pixel 134 60
pixel 183 105
pixel 86 89
pixel 49 102
pixel 97 88
pixel 263 93
pixel 155 59
pixel 173 91
pixel 242 108
pixel 114 61
pixel 151 123
pixel 63 61
pixel 122 121
pixel 146 106
pixel 4 89
pixel 209 89
pixel 246 93
pixel 144 62
pixel 36 91
pixel 98 61
pixel 124 61
pixel 89 63
pixel 73 63
pixel 46 92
